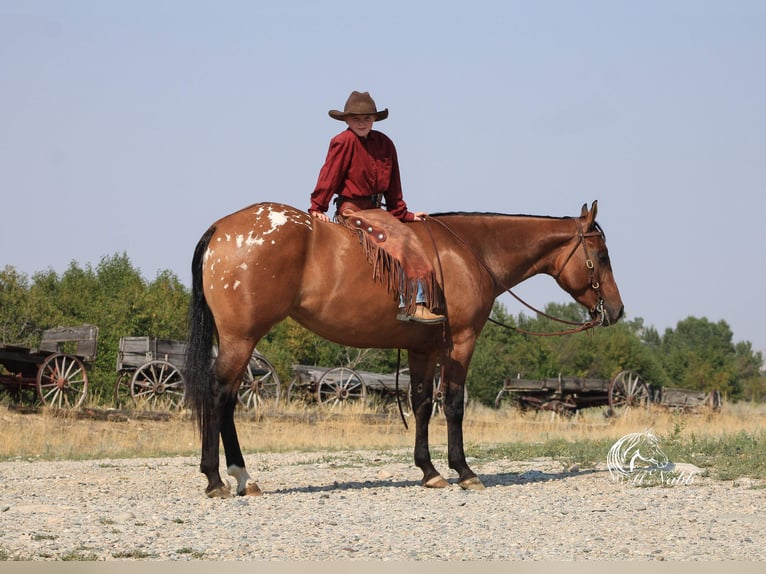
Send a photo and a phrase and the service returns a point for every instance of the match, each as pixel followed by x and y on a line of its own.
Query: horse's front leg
pixel 421 395
pixel 454 409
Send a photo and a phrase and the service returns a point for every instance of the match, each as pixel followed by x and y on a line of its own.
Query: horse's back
pixel 265 217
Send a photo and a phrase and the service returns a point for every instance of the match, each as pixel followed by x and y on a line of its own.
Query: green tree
pixel 16 325
pixel 700 355
pixel 750 376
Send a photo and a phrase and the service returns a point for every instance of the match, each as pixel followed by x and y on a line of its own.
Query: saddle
pixel 397 256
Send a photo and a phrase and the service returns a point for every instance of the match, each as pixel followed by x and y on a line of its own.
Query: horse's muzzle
pixel 611 316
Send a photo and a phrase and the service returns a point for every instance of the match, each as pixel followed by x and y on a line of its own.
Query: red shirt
pixel 360 168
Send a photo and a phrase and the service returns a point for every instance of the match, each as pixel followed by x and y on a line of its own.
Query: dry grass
pixel 50 435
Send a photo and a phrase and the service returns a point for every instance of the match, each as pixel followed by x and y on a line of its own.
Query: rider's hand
pixel 420 215
pixel 319 215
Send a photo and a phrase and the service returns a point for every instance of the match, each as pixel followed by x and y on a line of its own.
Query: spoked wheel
pixel 159 384
pixel 627 391
pixel 300 390
pixel 122 390
pixel 260 385
pixel 508 399
pixel 438 401
pixel 62 381
pixel 503 398
pixel 340 385
pixel 437 406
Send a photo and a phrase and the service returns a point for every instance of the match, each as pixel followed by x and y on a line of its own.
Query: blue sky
pixel 131 126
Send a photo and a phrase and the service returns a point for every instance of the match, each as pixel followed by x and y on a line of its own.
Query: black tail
pixel 199 353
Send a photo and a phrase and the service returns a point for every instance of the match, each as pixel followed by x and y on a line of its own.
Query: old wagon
pixel 623 392
pixel 150 372
pixel 687 400
pixel 334 386
pixel 54 374
pixel 568 395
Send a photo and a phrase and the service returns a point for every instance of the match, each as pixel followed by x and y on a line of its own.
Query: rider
pixel 363 170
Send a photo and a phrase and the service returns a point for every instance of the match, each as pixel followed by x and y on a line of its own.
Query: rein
pixel 578 327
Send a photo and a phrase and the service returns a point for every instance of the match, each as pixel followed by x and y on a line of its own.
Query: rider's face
pixel 360 125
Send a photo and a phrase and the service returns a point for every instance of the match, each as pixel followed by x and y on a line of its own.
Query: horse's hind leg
pixel 235 462
pixel 210 444
pixel 228 370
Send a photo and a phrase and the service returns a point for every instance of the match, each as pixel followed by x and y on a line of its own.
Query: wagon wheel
pixel 122 389
pixel 436 407
pixel 438 404
pixel 504 397
pixel 159 384
pixel 339 385
pixel 62 381
pixel 715 401
pixel 260 384
pixel 627 390
pixel 300 390
pixel 560 408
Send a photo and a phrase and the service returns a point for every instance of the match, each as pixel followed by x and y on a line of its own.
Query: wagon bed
pixel 55 373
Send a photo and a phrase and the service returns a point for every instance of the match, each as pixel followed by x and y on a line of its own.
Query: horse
pixel 269 261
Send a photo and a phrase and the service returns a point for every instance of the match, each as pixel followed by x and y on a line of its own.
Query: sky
pixel 129 127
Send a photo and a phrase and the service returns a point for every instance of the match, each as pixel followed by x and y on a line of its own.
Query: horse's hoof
pixel 473 483
pixel 436 482
pixel 222 491
pixel 251 490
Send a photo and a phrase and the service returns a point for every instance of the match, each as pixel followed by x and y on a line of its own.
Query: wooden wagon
pixel 625 391
pixel 687 400
pixel 150 372
pixel 54 374
pixel 568 395
pixel 334 386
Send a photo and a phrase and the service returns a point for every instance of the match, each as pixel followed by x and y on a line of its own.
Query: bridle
pixel 594 283
pixel 589 264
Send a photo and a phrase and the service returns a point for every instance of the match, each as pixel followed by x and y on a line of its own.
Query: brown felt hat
pixel 359 104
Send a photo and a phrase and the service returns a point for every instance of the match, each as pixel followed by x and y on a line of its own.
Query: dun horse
pixel 269 261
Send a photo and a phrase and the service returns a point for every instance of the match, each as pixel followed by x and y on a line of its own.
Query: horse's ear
pixel 584 210
pixel 590 216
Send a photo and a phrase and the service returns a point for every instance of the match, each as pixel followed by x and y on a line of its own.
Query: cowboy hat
pixel 359 104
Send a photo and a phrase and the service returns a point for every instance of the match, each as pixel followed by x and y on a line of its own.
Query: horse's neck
pixel 517 247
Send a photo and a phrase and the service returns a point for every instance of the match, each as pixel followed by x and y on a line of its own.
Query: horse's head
pixel 585 272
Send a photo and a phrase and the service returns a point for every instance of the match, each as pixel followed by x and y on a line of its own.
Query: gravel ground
pixel 368 505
